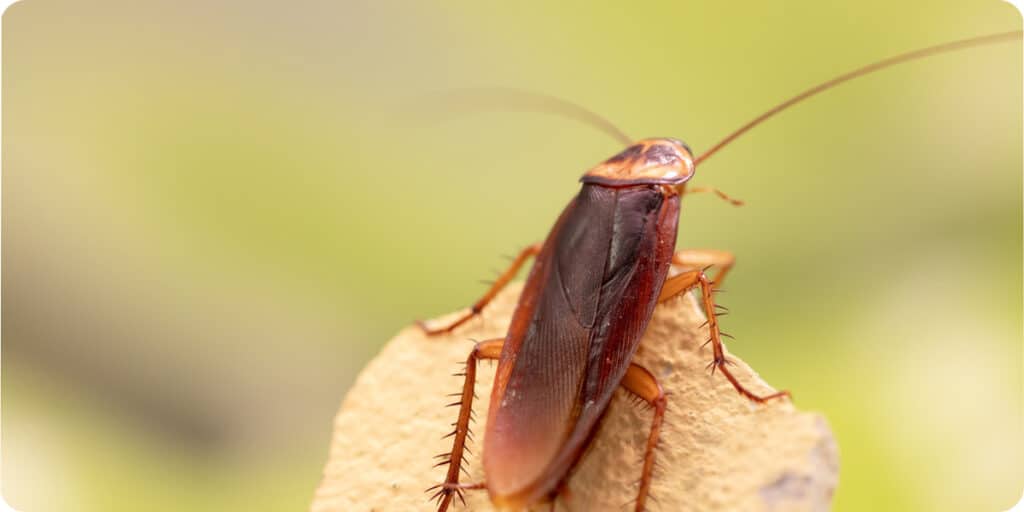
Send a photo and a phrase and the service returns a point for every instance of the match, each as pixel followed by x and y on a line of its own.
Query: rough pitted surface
pixel 718 452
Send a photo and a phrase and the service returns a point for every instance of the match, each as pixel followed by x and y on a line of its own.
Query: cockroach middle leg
pixel 490 349
pixel 478 306
pixel 696 259
pixel 682 283
pixel 641 383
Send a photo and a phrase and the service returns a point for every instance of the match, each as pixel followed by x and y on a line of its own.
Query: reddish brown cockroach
pixel 584 308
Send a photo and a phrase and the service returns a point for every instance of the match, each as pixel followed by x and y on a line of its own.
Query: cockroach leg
pixel 719 193
pixel 562 491
pixel 641 383
pixel 679 284
pixel 684 282
pixel 490 349
pixel 695 259
pixel 457 488
pixel 496 287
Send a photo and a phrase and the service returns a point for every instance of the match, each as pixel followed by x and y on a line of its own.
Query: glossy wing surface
pixel 533 410
pixel 583 311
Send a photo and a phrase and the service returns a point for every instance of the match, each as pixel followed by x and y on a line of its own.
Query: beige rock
pixel 718 452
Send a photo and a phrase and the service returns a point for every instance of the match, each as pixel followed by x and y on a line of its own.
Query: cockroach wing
pixel 583 309
pixel 639 259
pixel 534 400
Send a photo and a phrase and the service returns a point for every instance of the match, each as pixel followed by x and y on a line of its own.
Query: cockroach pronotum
pixel 594 285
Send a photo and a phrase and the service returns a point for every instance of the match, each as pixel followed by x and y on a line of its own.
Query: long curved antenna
pixel 870 68
pixel 517 100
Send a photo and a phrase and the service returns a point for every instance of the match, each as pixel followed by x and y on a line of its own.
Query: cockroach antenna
pixel 859 72
pixel 518 100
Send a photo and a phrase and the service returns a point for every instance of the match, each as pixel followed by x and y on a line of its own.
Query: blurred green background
pixel 215 213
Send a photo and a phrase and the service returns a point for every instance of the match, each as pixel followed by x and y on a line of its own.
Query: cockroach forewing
pixel 583 311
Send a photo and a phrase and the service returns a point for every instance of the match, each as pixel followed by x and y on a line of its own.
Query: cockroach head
pixel 649 161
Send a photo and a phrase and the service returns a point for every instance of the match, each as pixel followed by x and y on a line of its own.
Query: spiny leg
pixel 641 383
pixel 682 283
pixel 490 349
pixel 448 489
pixel 478 306
pixel 694 259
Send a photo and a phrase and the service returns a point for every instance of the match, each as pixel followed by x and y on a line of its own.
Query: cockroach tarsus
pixel 585 305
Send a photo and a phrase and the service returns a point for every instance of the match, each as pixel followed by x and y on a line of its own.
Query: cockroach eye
pixel 680 143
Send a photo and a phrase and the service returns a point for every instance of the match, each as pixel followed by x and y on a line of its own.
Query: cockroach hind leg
pixel 450 488
pixel 443 493
pixel 564 493
pixel 502 280
pixel 641 383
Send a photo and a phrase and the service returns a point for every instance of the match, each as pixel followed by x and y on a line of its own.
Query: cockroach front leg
pixel 490 349
pixel 682 283
pixel 721 195
pixel 641 383
pixel 478 306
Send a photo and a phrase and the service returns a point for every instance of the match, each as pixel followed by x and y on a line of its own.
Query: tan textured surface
pixel 718 451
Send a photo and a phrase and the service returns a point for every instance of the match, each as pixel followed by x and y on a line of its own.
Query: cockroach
pixel 583 310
